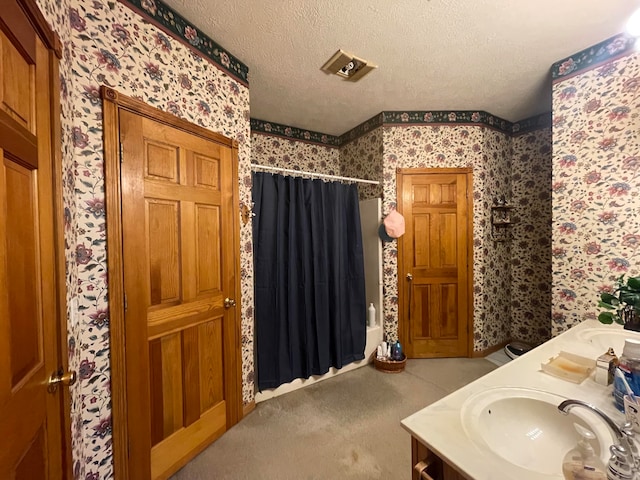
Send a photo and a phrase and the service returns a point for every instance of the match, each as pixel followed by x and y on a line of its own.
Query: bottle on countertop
pixel 371 319
pixel 581 463
pixel 629 365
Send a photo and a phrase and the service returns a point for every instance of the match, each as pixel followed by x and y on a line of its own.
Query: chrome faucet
pixel 567 405
pixel 625 460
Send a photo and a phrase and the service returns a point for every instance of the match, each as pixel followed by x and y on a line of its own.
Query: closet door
pixel 31 413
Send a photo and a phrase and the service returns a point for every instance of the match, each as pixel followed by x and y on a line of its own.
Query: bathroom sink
pixel 603 338
pixel 525 428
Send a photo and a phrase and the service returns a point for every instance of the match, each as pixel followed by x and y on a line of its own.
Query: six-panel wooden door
pixel 434 263
pixel 31 436
pixel 179 257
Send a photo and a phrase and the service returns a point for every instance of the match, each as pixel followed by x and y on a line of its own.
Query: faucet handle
pixel 620 465
pixel 628 439
pixel 627 429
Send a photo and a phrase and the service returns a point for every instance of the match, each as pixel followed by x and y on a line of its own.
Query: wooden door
pixel 179 255
pixel 31 419
pixel 435 259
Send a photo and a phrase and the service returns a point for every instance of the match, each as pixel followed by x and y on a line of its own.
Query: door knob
pixel 229 302
pixel 61 378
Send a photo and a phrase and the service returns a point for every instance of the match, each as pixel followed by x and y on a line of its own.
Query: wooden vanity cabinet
pixel 428 466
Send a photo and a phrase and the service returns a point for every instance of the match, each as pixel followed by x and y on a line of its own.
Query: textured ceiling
pixel 492 55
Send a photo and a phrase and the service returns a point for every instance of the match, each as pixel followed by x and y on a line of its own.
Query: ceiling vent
pixel 347 66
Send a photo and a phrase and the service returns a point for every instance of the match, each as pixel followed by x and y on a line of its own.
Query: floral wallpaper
pixel 484 150
pixel 276 151
pixel 189 34
pixel 105 43
pixel 492 320
pixel 362 158
pixel 531 243
pixel 595 185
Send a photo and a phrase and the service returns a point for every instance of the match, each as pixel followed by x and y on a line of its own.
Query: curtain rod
pixel 313 174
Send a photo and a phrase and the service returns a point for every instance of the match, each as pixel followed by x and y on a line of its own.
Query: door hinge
pixel 121 153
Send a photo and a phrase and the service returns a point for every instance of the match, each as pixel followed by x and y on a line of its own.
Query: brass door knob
pixel 61 378
pixel 229 302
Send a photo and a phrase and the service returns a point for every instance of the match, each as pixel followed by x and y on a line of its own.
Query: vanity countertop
pixel 439 426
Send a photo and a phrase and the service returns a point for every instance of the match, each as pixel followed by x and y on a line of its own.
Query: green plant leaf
pixel 608 306
pixel 630 298
pixel 609 299
pixel 606 318
pixel 634 283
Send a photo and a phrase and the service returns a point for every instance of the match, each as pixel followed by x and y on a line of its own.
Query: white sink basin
pixel 603 338
pixel 525 428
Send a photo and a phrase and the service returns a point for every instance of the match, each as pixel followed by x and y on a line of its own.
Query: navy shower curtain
pixel 310 306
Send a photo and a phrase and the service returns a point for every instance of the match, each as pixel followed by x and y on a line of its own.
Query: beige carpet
pixel 347 427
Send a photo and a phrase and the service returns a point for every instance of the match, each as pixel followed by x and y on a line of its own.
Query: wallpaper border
pixel 531 124
pixel 294 133
pixel 406 118
pixel 449 117
pixel 170 21
pixel 605 51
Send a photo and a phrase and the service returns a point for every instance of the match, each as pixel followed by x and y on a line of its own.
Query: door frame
pixel 112 103
pixel 403 331
pixel 15 14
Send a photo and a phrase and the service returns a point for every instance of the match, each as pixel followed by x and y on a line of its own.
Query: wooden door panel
pixel 434 251
pixel 29 349
pixel 182 185
pixel 156 404
pixel 162 161
pixel 449 325
pixel 171 374
pixel 24 296
pixel 207 250
pixel 448 192
pixel 17 95
pixel 447 253
pixel 207 169
pixel 421 240
pixel 163 234
pixel 421 317
pixel 191 370
pixel 210 362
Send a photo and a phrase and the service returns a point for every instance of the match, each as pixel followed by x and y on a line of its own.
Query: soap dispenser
pixel 581 462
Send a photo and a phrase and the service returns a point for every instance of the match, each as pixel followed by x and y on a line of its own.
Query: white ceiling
pixel 492 55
